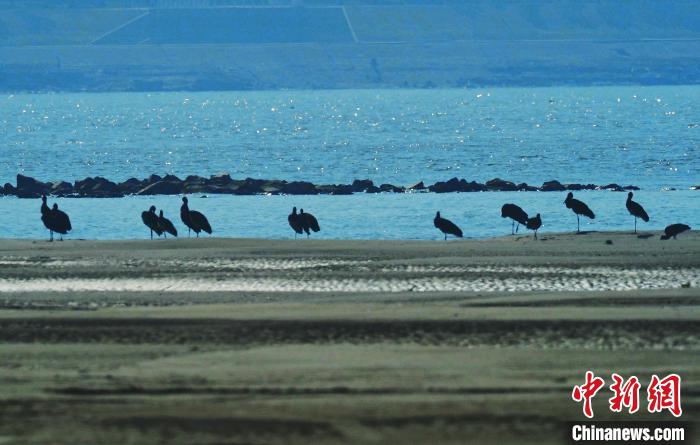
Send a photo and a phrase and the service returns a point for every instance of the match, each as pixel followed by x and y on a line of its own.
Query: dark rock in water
pixel 608 242
pixel 361 185
pixel 162 188
pixel 416 186
pixel 220 180
pixel 28 187
pixel 612 187
pixel 9 189
pixel 131 186
pixel 392 188
pixel 473 186
pixel 273 187
pixel 457 185
pixel 169 185
pixel 194 184
pixel 248 186
pixel 335 189
pixel 299 188
pixel 97 187
pixel 499 184
pixel 61 188
pixel 449 186
pixel 152 179
pixel 552 186
pixel 523 187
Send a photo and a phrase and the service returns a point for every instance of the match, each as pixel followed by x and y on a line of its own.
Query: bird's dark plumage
pixel 54 219
pixel 45 213
pixel 636 210
pixel 446 226
pixel 150 219
pixel 579 208
pixel 308 222
pixel 515 213
pixel 166 225
pixel 60 220
pixel 295 222
pixel 674 230
pixel 534 224
pixel 193 219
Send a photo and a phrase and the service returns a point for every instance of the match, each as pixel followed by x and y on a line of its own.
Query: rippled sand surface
pixel 268 341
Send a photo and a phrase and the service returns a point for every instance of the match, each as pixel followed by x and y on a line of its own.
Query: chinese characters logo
pixel 662 394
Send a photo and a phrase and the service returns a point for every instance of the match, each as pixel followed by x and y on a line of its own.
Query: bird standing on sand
pixel 636 210
pixel 60 221
pixel 674 230
pixel 579 208
pixel 55 220
pixel 446 226
pixel 308 221
pixel 166 225
pixel 193 219
pixel 151 220
pixel 46 216
pixel 534 224
pixel 516 214
pixel 295 222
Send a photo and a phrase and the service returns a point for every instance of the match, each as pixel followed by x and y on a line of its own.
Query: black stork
pixel 295 223
pixel 60 221
pixel 446 226
pixel 46 216
pixel 515 213
pixel 674 230
pixel 193 219
pixel 534 224
pixel 636 210
pixel 150 219
pixel 166 225
pixel 308 221
pixel 579 208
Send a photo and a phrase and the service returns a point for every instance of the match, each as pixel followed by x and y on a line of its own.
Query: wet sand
pixel 214 341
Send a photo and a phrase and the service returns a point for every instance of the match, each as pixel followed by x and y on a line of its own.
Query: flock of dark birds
pixel 58 221
pixel 519 217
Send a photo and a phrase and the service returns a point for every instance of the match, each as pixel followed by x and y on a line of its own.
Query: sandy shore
pixel 267 341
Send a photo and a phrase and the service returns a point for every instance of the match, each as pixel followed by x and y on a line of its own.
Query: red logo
pixel 665 394
pixel 626 394
pixel 587 391
pixel 662 394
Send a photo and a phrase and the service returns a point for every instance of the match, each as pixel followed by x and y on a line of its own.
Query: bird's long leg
pixel 517 227
pixel 512 228
pixel 445 237
pixel 189 233
pixel 50 235
pixel 578 224
pixel 151 233
pixel 535 233
pixel 197 234
pixel 635 224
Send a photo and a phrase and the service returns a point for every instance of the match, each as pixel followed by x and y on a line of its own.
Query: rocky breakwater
pixel 99 187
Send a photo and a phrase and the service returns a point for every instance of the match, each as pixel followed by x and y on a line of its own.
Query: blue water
pixel 362 216
pixel 646 136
